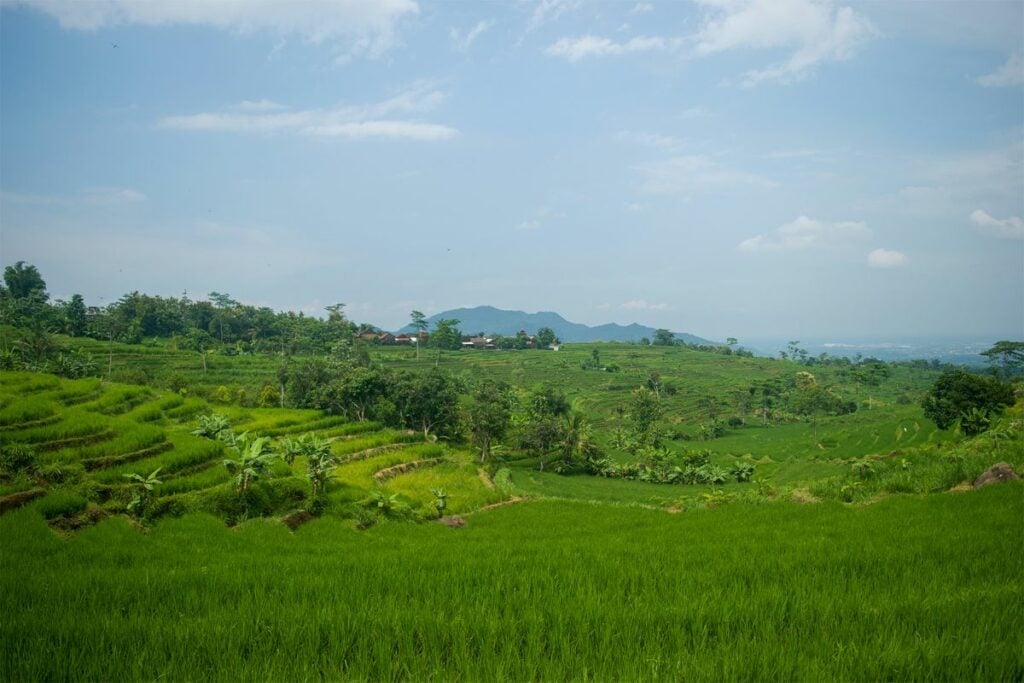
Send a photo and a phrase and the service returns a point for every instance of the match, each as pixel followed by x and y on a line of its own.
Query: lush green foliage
pixel 578 574
pixel 957 392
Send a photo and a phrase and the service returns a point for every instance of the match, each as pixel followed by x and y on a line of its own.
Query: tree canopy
pixel 957 392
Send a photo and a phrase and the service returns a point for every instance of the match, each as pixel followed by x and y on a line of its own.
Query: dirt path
pixel 494 506
pixel 484 478
pixel 388 473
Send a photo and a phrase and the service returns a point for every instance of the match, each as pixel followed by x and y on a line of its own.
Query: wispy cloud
pixel 544 214
pixel 642 8
pixel 93 196
pixel 806 233
pixel 656 140
pixel 696 174
pixel 112 195
pixel 1010 73
pixel 887 258
pixel 352 122
pixel 816 31
pixel 356 28
pixel 463 41
pixel 642 305
pixel 408 130
pixel 800 153
pixel 575 49
pixel 550 10
pixel 1011 228
pixel 259 105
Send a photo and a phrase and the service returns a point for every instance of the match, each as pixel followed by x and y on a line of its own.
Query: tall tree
pixel 75 316
pixel 223 303
pixel 418 321
pixel 24 281
pixel 645 411
pixel 446 336
pixel 545 337
pixel 956 392
pixel 663 337
pixel 428 402
pixel 1009 355
pixel 488 416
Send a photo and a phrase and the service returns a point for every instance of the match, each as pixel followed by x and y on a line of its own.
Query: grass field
pixel 907 589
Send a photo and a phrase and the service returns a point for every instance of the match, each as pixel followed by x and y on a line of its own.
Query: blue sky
pixel 789 168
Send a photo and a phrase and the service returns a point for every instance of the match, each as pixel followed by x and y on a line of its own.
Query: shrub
pixel 18 457
pixel 742 471
pixel 863 468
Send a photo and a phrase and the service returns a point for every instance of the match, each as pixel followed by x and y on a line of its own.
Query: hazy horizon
pixel 763 170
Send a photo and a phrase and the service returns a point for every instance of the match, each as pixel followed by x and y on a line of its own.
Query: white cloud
pixel 806 233
pixel 1010 73
pixel 1011 228
pixel 634 207
pixel 359 28
pixel 93 196
pixel 793 153
pixel 353 122
pixel 545 214
pixel 113 195
pixel 259 105
pixel 656 140
pixel 642 305
pixel 461 42
pixel 887 258
pixel 694 174
pixel 642 8
pixel 408 130
pixel 550 10
pixel 815 30
pixel 575 49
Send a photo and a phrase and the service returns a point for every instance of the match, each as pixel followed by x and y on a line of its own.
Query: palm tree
pixel 576 437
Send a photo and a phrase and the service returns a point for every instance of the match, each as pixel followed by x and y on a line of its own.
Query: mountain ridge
pixel 492 320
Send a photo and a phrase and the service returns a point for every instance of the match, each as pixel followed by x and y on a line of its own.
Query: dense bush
pixel 957 392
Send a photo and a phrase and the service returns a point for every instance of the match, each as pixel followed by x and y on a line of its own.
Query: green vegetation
pixel 608 511
pixel 546 590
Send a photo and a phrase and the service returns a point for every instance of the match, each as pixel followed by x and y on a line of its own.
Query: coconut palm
pixel 576 438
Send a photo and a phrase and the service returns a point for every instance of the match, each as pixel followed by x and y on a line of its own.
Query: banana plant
pixel 142 490
pixel 291 449
pixel 211 426
pixel 254 456
pixel 320 462
pixel 440 501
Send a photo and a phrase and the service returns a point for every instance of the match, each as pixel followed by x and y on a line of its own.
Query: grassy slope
pixel 910 588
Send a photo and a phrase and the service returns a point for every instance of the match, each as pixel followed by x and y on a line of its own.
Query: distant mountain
pixel 491 320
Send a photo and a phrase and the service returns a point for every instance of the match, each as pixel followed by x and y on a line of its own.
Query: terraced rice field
pixel 89 434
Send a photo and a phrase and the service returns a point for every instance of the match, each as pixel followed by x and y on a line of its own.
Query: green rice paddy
pixel 891 577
